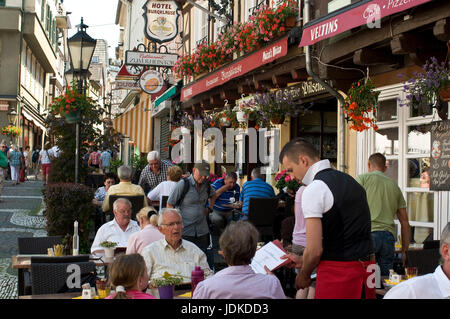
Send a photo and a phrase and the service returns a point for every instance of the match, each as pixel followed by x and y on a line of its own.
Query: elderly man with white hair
pixel 435 285
pixel 119 229
pixel 154 172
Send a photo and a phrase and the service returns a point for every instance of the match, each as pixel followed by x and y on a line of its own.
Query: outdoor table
pixel 398 248
pixel 70 295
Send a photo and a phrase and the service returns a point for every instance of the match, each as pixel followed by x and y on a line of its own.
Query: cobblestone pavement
pixel 20 216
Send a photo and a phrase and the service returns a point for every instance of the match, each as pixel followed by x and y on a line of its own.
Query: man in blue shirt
pixel 221 214
pixel 257 187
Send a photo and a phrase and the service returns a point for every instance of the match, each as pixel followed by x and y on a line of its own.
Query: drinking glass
pixel 411 272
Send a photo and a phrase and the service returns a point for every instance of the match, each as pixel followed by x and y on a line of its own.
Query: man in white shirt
pixel 172 253
pixel 430 286
pixel 119 229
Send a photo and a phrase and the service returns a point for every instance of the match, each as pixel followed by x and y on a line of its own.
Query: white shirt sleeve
pixel 154 193
pixel 99 238
pixel 317 199
pixel 401 291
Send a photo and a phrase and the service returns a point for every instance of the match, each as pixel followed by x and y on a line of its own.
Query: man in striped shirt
pixel 257 187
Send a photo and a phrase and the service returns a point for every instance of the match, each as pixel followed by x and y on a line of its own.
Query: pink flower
pixel 287 179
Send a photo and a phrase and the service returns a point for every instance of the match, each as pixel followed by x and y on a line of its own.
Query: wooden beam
pixel 230 95
pixel 333 73
pixel 282 80
pixel 368 56
pixel 299 74
pixel 215 100
pixel 441 30
pixel 245 89
pixel 343 85
pixel 262 85
pixel 406 43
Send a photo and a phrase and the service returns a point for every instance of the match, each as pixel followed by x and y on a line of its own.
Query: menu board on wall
pixel 440 156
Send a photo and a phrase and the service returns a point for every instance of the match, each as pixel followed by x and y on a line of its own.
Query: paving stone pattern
pixel 20 216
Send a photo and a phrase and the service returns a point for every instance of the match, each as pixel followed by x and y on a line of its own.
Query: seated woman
pixel 128 274
pixel 239 281
pixel 148 221
pixel 165 188
pixel 110 179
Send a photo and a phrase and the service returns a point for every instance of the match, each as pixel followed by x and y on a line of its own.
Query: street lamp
pixel 12 116
pixel 81 48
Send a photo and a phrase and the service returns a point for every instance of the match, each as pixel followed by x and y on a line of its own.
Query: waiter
pixel 338 240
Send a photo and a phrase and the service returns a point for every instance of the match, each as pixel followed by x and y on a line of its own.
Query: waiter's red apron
pixel 343 280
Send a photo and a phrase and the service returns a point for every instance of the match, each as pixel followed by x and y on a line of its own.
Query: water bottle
pixel 197 275
pixel 75 241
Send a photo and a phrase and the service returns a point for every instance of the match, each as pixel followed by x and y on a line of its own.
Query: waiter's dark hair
pixel 296 147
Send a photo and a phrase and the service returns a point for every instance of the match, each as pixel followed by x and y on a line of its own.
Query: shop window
pixel 392 169
pixel 387 110
pixel 417 172
pixel 419 139
pixel 2 3
pixel 386 141
pixel 423 109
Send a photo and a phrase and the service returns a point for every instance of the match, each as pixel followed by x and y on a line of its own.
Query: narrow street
pixel 20 216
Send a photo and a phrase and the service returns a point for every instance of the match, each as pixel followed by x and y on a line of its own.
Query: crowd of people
pixel 342 227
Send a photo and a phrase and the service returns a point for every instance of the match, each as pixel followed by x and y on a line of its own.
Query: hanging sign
pixel 161 20
pixel 150 58
pixel 439 172
pixel 152 82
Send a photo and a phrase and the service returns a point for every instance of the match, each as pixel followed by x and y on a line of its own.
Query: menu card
pixel 440 156
pixel 269 255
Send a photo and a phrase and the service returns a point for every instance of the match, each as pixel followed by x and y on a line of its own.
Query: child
pixel 128 274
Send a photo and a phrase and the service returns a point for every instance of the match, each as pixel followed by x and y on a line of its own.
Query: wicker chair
pixel 51 278
pixel 137 202
pixel 37 245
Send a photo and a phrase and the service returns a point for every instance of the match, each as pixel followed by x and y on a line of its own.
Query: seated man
pixel 239 281
pixel 125 187
pixel 430 286
pixel 172 253
pixel 119 229
pixel 257 187
pixel 228 189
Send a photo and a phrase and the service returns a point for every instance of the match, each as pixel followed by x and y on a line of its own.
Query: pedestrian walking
pixel 34 162
pixel 26 156
pixel 3 167
pixel 105 160
pixel 337 220
pixel 385 201
pixel 44 161
pixel 14 156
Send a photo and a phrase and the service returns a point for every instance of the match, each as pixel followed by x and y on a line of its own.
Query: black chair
pixel 137 202
pixel 431 244
pixel 163 203
pixel 52 278
pixel 37 245
pixel 426 260
pixel 32 245
pixel 261 213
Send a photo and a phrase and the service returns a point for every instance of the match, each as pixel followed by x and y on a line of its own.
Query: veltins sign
pixel 161 20
pixel 152 82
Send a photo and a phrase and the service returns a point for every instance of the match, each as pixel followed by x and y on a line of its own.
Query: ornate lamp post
pixel 81 48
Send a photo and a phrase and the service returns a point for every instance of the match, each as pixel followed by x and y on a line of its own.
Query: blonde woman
pixel 148 221
pixel 165 188
pixel 128 274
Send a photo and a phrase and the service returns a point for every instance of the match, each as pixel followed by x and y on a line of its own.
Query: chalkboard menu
pixel 440 156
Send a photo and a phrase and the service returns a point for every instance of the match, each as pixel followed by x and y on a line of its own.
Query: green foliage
pixel 63 167
pixel 167 280
pixel 115 164
pixel 65 203
pixel 138 163
pixel 108 244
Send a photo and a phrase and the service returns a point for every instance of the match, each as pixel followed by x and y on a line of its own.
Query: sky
pixel 99 15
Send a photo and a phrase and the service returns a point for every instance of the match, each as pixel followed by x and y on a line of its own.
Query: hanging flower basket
pixel 241 116
pixel 277 119
pixel 73 117
pixel 11 130
pixel 445 93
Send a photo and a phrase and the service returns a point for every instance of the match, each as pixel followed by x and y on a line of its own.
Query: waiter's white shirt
pixel 317 198
pixel 430 286
pixel 111 231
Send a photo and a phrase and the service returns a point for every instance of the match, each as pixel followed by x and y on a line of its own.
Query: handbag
pixel 3 160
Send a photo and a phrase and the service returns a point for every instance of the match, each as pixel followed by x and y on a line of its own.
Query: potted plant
pixel 275 106
pixel 361 106
pixel 432 86
pixel 11 130
pixel 109 248
pixel 285 182
pixel 166 284
pixel 71 104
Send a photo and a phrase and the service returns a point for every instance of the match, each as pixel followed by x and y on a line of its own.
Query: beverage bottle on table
pixel 197 275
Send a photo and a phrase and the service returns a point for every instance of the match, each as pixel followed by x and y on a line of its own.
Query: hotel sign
pixel 150 59
pixel 369 13
pixel 161 20
pixel 236 69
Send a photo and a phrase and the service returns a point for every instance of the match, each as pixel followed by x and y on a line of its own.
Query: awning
pixel 166 95
pixel 136 124
pixel 236 69
pixel 358 14
pixel 30 117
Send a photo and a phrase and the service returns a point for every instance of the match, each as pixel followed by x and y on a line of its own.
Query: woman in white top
pixel 44 160
pixel 165 188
